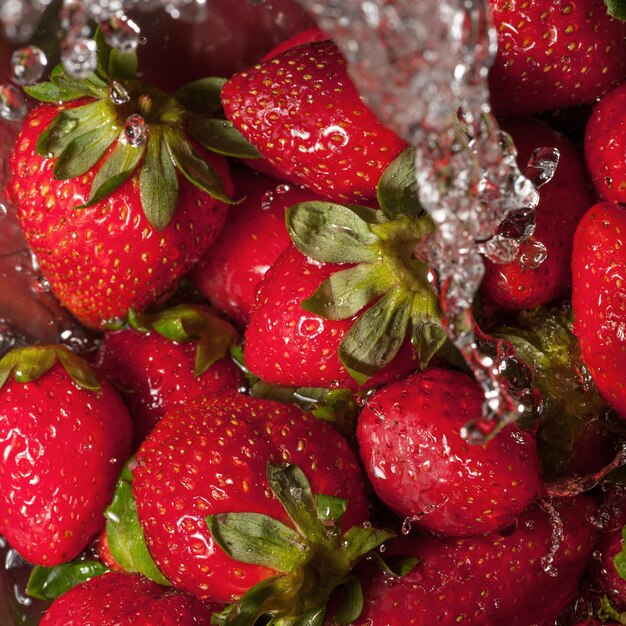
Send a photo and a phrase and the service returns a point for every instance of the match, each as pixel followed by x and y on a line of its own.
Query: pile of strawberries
pixel 270 430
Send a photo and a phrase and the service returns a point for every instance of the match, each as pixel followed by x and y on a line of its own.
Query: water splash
pixel 557 538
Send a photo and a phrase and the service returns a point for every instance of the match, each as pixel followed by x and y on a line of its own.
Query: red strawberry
pixel 104 553
pixel 554 54
pixel 116 599
pixel 605 139
pixel 599 298
pixel 490 580
pixel 298 39
pixel 181 353
pixel 66 436
pixel 563 202
pixel 304 115
pixel 419 465
pixel 252 238
pixel 209 458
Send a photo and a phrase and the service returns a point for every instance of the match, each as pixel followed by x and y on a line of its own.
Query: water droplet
pixel 12 104
pixel 118 93
pixel 41 285
pixel 136 130
pixel 121 33
pixel 406 526
pixel 79 56
pixel 4 210
pixel 28 65
pixel 608 181
pixel 101 10
pixel 532 254
pixel 283 188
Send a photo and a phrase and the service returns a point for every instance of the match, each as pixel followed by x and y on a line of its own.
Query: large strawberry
pixel 204 467
pixel 304 115
pixel 554 54
pixel 173 356
pixel 66 436
pixel 599 298
pixel 116 197
pixel 420 466
pixel 524 283
pixel 523 576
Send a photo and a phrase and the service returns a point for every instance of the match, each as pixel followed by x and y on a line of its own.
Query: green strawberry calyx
pixel 48 583
pixel 616 8
pixel 313 558
pixel 386 284
pixel 607 612
pixel 136 128
pixel 30 363
pixel 188 322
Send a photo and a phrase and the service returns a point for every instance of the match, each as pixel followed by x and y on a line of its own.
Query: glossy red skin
pixel 103 260
pixel 554 54
pixel 306 118
pixel 156 374
pixel 419 465
pixel 286 345
pixel 210 456
pixel 116 599
pixel 605 144
pixel 63 449
pixel 104 553
pixel 599 298
pixel 253 237
pixel 497 579
pixel 563 202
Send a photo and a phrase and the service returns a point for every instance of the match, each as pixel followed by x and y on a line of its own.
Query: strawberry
pixel 116 599
pixel 304 115
pixel 298 39
pixel 419 465
pixel 502 578
pixel 177 354
pixel 599 298
pixel 51 402
pixel 604 146
pixel 115 196
pixel 204 467
pixel 554 54
pixel 522 284
pixel 252 238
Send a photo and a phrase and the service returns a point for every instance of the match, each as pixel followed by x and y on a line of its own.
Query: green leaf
pixel 607 611
pixel 351 603
pixel 51 92
pixel 123 65
pixel 427 337
pixel 312 617
pixel 616 8
pixel 332 233
pixel 397 566
pixel 376 336
pixel 158 183
pixel 115 170
pixel 202 96
pixel 343 294
pixel 81 372
pixel 397 188
pixel 195 169
pixel 125 534
pixel 360 540
pixel 619 560
pixel 222 137
pixel 330 507
pixel 48 583
pixel 258 539
pixel 32 363
pixel 256 602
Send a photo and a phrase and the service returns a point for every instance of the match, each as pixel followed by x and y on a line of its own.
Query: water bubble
pixel 28 65
pixel 12 104
pixel 101 10
pixel 121 33
pixel 79 56
pixel 194 11
pixel 41 285
pixel 283 188
pixel 532 254
pixel 74 18
pixel 19 19
pixel 136 130
pixel 118 93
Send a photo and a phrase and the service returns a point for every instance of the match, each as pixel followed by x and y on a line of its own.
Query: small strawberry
pixel 420 466
pixel 66 436
pixel 116 599
pixel 173 356
pixel 116 197
pixel 554 54
pixel 252 238
pixel 203 490
pixel 519 577
pixel 304 115
pixel 522 283
pixel 599 298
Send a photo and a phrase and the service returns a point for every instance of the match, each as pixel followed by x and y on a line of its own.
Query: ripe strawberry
pixel 252 238
pixel 419 465
pixel 177 354
pixel 209 458
pixel 116 599
pixel 554 54
pixel 563 202
pixel 52 501
pixel 599 298
pixel 308 35
pixel 304 115
pixel 497 579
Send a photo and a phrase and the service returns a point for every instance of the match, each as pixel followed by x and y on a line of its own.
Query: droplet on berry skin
pixel 28 65
pixel 118 93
